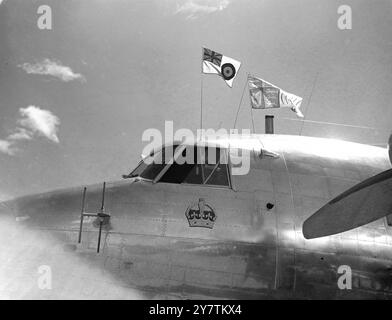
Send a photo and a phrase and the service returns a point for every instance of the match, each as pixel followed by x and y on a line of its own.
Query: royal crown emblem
pixel 201 215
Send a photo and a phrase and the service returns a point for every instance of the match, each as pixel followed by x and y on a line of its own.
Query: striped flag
pixel 216 63
pixel 264 95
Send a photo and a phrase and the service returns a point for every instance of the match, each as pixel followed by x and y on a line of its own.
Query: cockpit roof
pixel 319 147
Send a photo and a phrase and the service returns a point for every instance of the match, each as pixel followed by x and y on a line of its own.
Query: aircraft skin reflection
pixel 150 249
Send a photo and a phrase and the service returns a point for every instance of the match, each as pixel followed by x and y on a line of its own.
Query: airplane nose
pixel 41 209
pixel 11 216
pixel 6 211
pixel 9 211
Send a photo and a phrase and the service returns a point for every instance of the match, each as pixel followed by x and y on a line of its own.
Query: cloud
pixel 7 147
pixel 193 8
pixel 20 134
pixel 40 121
pixel 34 121
pixel 52 68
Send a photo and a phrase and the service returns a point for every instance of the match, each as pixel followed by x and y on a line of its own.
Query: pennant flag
pixel 264 95
pixel 214 62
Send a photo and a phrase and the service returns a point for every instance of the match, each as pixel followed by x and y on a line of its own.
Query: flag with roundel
pixel 216 63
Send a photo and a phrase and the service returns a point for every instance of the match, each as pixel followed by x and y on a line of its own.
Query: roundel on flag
pixel 228 71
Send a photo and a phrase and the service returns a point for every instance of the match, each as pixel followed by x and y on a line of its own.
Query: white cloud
pixel 6 147
pixel 37 120
pixel 52 68
pixel 193 8
pixel 20 134
pixel 33 121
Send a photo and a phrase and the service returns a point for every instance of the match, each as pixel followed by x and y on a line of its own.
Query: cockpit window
pixel 153 164
pixel 193 165
pixel 157 165
pixel 209 167
pixel 180 170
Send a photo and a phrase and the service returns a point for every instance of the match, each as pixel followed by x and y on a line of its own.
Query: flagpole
pixel 201 101
pixel 201 94
pixel 251 111
pixel 240 104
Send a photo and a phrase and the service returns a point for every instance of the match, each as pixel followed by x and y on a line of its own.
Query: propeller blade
pixel 366 202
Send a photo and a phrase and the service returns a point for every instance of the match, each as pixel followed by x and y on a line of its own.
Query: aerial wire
pixel 310 98
pixel 240 104
pixel 331 123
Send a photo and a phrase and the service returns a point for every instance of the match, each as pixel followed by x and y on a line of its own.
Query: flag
pixel 264 95
pixel 214 62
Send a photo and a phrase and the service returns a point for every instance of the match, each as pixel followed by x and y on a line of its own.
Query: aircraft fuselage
pixel 194 241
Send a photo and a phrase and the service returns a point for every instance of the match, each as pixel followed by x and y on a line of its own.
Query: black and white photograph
pixel 195 150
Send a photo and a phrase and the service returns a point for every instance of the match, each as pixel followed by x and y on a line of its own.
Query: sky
pixel 75 100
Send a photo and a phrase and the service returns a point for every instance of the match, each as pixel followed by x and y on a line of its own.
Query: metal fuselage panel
pixel 149 249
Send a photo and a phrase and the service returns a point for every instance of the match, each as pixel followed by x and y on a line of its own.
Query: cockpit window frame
pixel 180 149
pixel 153 153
